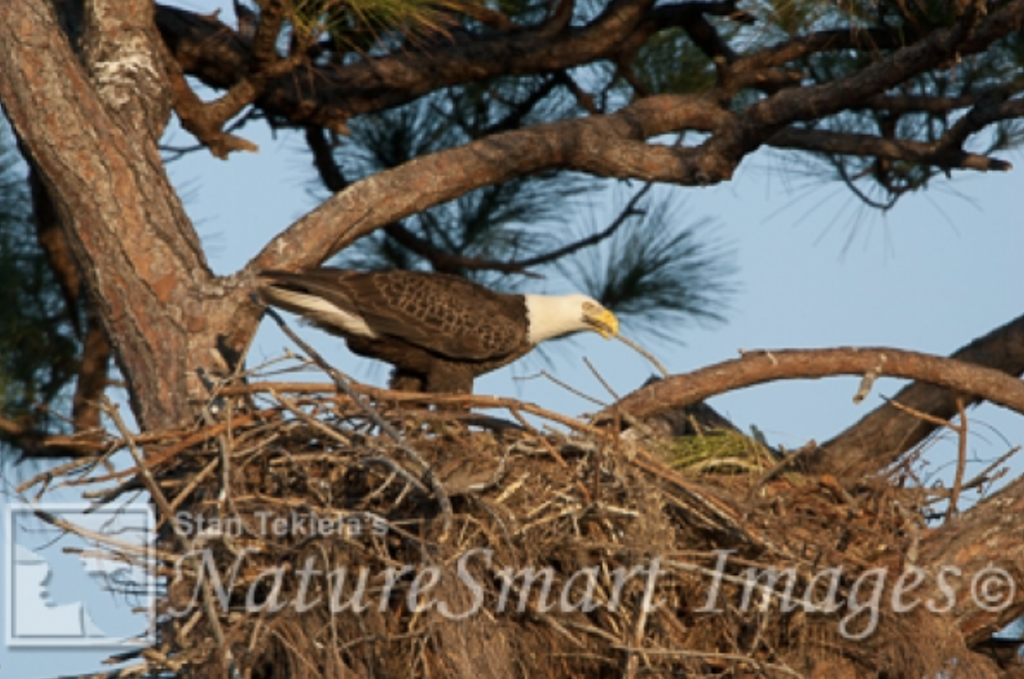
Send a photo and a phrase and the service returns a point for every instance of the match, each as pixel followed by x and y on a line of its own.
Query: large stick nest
pixel 586 509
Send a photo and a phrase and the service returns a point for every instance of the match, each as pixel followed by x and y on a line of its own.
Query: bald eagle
pixel 438 331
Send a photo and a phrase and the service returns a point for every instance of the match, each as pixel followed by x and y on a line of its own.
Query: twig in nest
pixel 540 437
pixel 396 469
pixel 639 631
pixel 984 476
pixel 563 385
pixel 791 461
pixel 483 402
pixel 601 379
pixel 961 465
pixel 643 352
pixel 429 477
pixel 961 432
pixel 158 497
pixel 310 421
pixel 760 665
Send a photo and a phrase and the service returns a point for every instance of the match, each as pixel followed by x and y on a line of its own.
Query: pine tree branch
pixel 515 117
pixel 435 178
pixel 207 120
pixel 982 540
pixel 901 104
pixel 692 18
pixel 628 211
pixel 610 146
pixel 327 168
pixel 329 96
pixel 443 260
pixel 883 435
pixel 940 153
pixel 33 443
pixel 949 378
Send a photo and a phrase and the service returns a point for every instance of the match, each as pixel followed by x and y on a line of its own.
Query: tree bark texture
pixel 92 135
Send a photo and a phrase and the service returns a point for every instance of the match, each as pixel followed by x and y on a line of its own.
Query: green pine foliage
pixel 38 349
pixel 878 183
pixel 669 62
pixel 663 269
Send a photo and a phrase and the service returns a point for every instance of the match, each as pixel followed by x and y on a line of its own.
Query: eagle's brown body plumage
pixel 439 331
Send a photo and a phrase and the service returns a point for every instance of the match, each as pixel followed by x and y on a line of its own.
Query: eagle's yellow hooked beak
pixel 602 320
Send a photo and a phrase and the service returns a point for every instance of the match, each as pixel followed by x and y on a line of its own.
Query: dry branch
pixel 613 145
pixel 758 367
pixel 591 504
pixel 878 439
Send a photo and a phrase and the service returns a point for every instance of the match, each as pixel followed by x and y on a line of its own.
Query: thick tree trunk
pixel 986 548
pixel 92 136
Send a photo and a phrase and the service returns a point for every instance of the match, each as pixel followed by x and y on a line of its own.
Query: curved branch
pixel 883 435
pixel 610 146
pixel 991 110
pixel 767 366
pixel 935 153
pixel 441 260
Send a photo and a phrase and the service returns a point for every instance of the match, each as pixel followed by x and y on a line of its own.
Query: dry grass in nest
pixel 578 505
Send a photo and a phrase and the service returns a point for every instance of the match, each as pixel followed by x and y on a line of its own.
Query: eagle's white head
pixel 551 316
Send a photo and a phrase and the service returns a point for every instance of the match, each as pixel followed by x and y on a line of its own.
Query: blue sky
pixel 816 269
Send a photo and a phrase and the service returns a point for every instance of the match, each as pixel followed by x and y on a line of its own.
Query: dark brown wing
pixel 443 314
